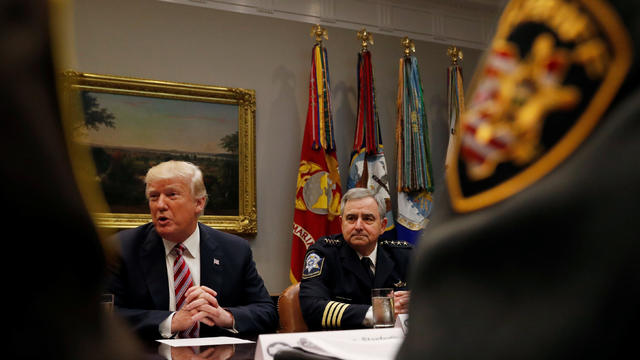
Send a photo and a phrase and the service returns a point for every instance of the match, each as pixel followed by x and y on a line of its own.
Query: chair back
pixel 291 319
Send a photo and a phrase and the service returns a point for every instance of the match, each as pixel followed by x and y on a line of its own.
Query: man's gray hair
pixel 172 169
pixel 361 193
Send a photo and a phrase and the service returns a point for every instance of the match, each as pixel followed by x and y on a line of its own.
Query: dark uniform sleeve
pixel 320 308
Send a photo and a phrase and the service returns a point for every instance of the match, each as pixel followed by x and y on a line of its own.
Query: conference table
pixel 223 352
pixel 369 344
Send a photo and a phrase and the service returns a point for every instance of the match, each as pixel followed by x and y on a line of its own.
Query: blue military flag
pixel 414 174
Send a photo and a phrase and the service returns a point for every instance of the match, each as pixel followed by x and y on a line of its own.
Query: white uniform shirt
pixel 368 318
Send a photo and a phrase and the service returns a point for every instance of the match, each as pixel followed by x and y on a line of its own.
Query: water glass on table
pixel 106 303
pixel 382 303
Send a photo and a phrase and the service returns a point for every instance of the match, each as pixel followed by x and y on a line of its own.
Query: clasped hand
pixel 201 305
pixel 401 302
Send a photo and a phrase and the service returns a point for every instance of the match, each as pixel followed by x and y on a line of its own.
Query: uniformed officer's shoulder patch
pixel 313 263
pixel 551 72
pixel 395 244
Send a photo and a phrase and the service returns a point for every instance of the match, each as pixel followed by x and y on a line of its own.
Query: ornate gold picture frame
pixel 118 127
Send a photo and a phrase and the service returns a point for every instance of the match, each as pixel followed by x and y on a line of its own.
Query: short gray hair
pixel 361 193
pixel 184 170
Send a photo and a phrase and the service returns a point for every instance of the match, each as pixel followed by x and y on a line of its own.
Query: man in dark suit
pixel 340 270
pixel 217 289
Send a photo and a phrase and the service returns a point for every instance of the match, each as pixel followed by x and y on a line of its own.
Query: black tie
pixel 366 263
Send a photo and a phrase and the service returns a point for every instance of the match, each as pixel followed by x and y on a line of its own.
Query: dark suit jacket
pixel 338 278
pixel 140 285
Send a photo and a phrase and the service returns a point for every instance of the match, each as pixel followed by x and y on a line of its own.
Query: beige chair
pixel 291 319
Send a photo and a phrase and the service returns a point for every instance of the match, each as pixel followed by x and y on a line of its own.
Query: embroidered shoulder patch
pixel 312 265
pixel 551 72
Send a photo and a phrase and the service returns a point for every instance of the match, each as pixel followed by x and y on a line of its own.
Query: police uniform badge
pixel 551 72
pixel 312 265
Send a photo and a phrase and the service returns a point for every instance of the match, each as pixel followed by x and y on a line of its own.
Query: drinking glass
pixel 106 303
pixel 382 303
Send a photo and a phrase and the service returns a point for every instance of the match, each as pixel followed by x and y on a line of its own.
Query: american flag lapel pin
pixel 216 261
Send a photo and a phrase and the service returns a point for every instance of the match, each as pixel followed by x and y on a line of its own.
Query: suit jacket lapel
pixel 153 263
pixel 384 267
pixel 210 271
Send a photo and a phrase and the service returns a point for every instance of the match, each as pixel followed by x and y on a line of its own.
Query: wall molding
pixel 463 23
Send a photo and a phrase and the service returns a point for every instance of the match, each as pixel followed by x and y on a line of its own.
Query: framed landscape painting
pixel 126 125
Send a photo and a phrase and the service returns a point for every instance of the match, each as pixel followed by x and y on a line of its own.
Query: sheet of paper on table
pixel 402 321
pixel 218 340
pixel 365 344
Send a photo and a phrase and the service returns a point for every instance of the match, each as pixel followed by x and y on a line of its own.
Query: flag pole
pixel 455 99
pixel 319 33
pixel 366 38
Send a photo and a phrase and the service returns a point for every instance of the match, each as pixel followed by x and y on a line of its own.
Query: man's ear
pixel 383 222
pixel 200 203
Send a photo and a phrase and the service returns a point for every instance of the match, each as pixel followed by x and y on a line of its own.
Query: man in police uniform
pixel 340 270
pixel 532 251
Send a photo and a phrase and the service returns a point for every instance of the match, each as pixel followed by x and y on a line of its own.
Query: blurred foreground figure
pixel 54 255
pixel 533 249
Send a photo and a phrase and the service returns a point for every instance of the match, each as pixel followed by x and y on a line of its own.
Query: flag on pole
pixel 318 190
pixel 368 167
pixel 414 173
pixel 455 98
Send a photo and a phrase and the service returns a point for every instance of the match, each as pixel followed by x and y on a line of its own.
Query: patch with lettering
pixel 312 265
pixel 551 72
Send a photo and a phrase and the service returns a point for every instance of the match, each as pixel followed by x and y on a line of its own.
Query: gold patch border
pixel 613 28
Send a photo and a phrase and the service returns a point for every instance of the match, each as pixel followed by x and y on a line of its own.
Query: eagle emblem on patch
pixel 552 70
pixel 312 265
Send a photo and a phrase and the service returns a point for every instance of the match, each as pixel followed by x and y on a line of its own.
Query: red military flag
pixel 368 167
pixel 318 190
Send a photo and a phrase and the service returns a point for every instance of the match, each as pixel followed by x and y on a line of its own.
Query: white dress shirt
pixel 368 318
pixel 191 257
pixel 372 257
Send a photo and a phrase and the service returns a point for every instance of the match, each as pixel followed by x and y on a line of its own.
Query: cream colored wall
pixel 163 41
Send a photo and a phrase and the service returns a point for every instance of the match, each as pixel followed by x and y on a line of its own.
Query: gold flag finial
pixel 408 45
pixel 454 54
pixel 365 37
pixel 319 32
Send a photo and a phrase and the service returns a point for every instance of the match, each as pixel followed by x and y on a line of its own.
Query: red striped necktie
pixel 182 281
